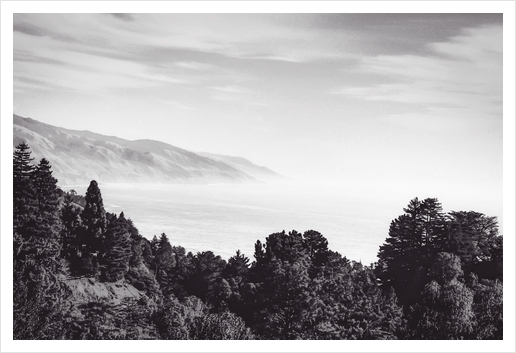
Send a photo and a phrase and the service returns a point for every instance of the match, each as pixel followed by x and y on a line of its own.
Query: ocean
pixel 225 218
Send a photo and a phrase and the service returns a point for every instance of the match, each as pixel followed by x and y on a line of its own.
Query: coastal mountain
pixel 80 156
pixel 245 165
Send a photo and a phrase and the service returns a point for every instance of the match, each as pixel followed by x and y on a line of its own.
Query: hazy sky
pixel 375 98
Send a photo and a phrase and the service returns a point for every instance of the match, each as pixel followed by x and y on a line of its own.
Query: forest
pixel 439 276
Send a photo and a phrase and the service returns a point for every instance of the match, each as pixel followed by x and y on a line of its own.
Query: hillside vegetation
pixel 83 273
pixel 79 156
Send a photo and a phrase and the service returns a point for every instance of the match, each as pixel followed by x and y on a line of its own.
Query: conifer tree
pixel 45 187
pixel 37 226
pixel 164 261
pixel 23 191
pixel 408 252
pixel 474 237
pixel 94 216
pixel 117 251
pixel 70 218
pixel 91 235
pixel 37 291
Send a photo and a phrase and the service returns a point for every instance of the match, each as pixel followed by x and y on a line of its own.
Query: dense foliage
pixel 438 276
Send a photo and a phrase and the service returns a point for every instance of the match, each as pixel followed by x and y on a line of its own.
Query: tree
pixel 45 187
pixel 317 246
pixel 474 237
pixel 71 220
pixel 488 308
pixel 117 245
pixel 93 218
pixel 23 191
pixel 407 254
pixel 37 292
pixel 164 261
pixel 283 296
pixel 204 275
pixel 175 318
pixel 220 326
pixel 236 275
pixel 446 308
pixel 350 305
pixel 94 215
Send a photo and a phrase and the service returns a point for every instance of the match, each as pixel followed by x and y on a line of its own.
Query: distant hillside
pixel 246 166
pixel 80 156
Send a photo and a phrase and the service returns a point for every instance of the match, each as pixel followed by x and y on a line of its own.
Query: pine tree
pixel 94 216
pixel 283 296
pixel 474 237
pixel 23 191
pixel 37 226
pixel 94 222
pixel 117 251
pixel 70 218
pixel 37 291
pixel 409 251
pixel 164 262
pixel 45 187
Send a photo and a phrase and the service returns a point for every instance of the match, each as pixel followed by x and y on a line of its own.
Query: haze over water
pixel 226 217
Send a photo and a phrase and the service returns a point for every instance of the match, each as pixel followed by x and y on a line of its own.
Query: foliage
pixel 488 308
pixel 130 320
pixel 220 326
pixel 117 250
pixel 428 273
pixel 37 292
pixel 438 276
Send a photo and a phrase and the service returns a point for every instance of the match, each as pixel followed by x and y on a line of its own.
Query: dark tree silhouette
pixel 93 218
pixel 37 293
pixel 117 250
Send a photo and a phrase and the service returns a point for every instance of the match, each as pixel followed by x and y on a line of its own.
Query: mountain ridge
pixel 80 156
pixel 246 166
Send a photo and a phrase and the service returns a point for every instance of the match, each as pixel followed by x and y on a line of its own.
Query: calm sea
pixel 227 218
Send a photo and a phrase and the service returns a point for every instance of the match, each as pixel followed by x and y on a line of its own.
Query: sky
pixel 390 99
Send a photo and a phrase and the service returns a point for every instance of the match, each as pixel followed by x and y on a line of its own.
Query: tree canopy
pixel 438 276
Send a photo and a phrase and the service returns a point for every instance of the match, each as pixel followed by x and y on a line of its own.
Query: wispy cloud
pixel 231 93
pixel 193 65
pixel 123 16
pixel 231 89
pixel 461 77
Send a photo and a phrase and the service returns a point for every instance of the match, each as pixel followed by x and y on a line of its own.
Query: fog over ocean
pixel 226 217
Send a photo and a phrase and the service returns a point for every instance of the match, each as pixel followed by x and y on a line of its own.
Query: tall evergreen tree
pixel 94 215
pixel 164 262
pixel 37 226
pixel 37 291
pixel 70 218
pixel 474 237
pixel 117 250
pixel 283 296
pixel 23 191
pixel 94 222
pixel 408 252
pixel 46 187
pixel 204 275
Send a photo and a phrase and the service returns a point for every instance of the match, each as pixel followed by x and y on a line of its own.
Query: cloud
pixel 123 16
pixel 80 66
pixel 193 65
pixel 462 76
pixel 231 89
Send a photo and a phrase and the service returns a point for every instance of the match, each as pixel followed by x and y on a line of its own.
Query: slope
pixel 80 156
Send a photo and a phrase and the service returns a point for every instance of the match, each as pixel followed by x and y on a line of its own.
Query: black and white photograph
pixel 210 173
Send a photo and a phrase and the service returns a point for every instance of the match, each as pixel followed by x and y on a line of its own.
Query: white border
pixel 505 7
